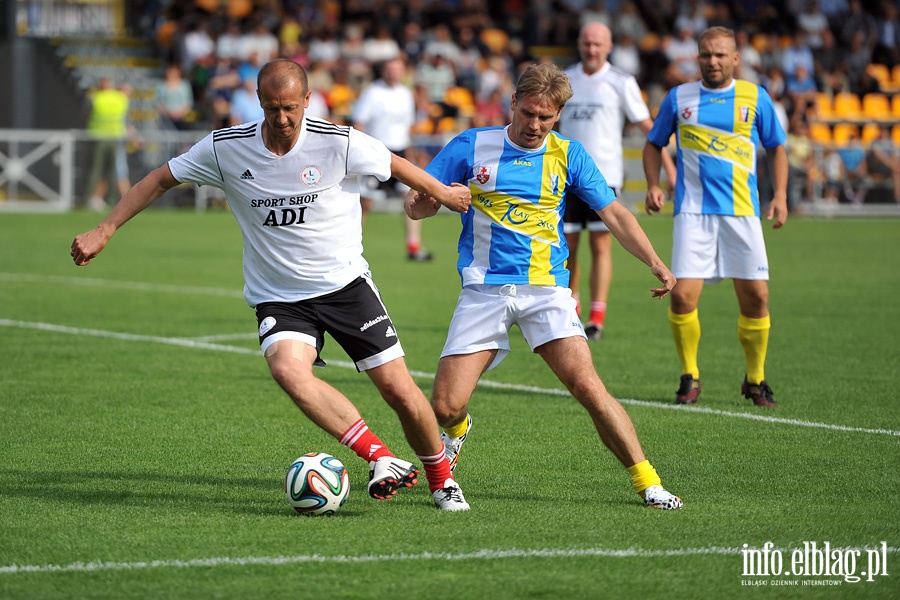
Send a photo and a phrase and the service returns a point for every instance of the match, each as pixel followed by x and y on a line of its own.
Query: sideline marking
pixel 124 285
pixel 203 345
pixel 370 558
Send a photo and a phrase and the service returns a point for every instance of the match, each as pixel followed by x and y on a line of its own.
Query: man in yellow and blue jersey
pixel 512 260
pixel 719 123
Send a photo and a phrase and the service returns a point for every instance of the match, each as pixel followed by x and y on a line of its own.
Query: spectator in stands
pixel 223 81
pixel 801 161
pixel 596 11
pixel 884 160
pixel 228 44
pixel 835 11
pixel 260 41
pixel 628 21
pixel 197 43
pixel 856 60
pixel 801 89
pixel 682 54
pixel 750 66
pixel 830 73
pixel 175 98
pixel 381 47
pixel 436 73
pixel 797 54
pixel 832 175
pixel 245 106
pixel 626 56
pixel 887 47
pixel 858 20
pixel 691 17
pixel 471 56
pixel 811 23
pixel 853 155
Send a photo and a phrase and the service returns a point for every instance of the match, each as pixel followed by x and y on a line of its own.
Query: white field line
pixel 123 285
pixel 201 344
pixel 487 554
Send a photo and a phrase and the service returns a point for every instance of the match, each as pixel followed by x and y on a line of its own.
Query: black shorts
pixel 354 316
pixel 580 216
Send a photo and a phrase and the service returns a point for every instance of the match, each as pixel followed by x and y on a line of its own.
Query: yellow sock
pixel 686 331
pixel 754 337
pixel 458 430
pixel 643 475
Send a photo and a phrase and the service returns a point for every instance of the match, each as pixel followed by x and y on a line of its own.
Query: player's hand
pixel 655 200
pixel 778 211
pixel 421 206
pixel 89 244
pixel 665 277
pixel 458 198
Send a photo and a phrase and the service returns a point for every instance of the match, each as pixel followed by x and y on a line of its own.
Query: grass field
pixel 144 444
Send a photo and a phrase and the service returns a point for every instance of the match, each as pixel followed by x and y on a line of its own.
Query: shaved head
pixel 594 46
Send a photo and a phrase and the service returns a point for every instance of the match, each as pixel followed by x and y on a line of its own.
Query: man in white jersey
pixel 602 96
pixel 512 266
pixel 292 183
pixel 719 122
pixel 386 110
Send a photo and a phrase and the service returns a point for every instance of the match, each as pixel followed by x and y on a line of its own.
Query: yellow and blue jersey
pixel 513 231
pixel 717 132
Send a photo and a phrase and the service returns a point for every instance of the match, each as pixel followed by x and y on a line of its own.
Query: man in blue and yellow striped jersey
pixel 719 122
pixel 512 260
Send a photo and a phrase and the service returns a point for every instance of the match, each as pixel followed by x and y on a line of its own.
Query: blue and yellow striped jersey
pixel 513 231
pixel 718 131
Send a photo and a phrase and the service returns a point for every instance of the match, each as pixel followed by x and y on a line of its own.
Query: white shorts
pixel 715 247
pixel 485 313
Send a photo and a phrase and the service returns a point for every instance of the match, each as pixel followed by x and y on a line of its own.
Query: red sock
pixel 437 469
pixel 413 247
pixel 366 444
pixel 598 312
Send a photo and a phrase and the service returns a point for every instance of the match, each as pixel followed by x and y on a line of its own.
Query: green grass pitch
pixel 144 444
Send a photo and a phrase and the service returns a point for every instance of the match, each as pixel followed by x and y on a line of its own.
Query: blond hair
pixel 545 81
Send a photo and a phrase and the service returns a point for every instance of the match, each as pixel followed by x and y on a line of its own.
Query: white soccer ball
pixel 317 484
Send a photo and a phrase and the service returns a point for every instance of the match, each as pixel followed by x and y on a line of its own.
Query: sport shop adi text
pixel 819 560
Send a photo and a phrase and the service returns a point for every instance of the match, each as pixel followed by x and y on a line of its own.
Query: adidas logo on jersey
pixel 247 175
pixel 390 332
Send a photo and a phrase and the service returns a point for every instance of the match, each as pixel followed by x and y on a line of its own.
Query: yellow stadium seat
pixel 895 134
pixel 824 110
pixel 880 73
pixel 870 132
pixel 876 106
pixel 895 105
pixel 820 133
pixel 847 106
pixel 842 132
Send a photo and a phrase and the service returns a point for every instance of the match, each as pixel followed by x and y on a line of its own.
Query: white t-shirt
pixel 299 213
pixel 387 114
pixel 595 116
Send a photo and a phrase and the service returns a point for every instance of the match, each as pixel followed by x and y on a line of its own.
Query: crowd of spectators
pixel 463 56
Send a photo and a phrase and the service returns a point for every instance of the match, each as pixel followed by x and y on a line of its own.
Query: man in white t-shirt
pixel 603 96
pixel 292 183
pixel 386 110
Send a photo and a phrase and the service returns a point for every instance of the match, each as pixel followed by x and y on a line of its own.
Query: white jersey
pixel 387 114
pixel 595 116
pixel 299 213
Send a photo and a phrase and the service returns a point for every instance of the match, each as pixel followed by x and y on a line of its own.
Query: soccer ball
pixel 317 484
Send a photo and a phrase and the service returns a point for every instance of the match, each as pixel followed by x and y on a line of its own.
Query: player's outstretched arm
pixel 90 243
pixel 628 231
pixel 457 198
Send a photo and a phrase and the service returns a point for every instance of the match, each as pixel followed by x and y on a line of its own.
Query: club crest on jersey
pixel 310 175
pixel 745 113
pixel 686 113
pixel 483 175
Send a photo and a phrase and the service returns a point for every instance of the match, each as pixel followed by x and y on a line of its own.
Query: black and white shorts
pixel 354 316
pixel 579 216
